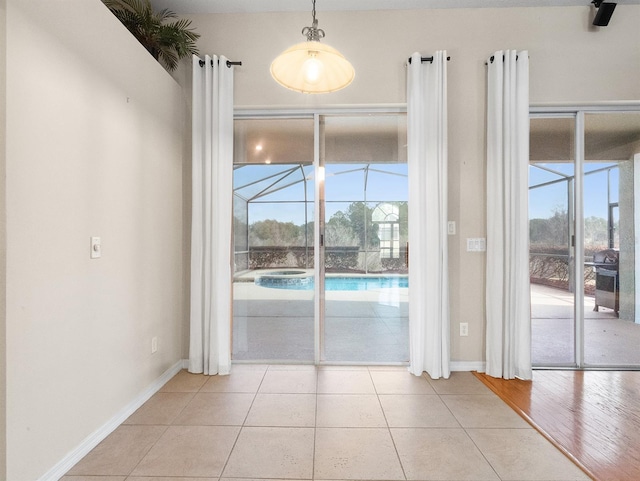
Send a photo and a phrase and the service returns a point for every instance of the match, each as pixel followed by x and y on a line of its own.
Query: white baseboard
pixel 70 460
pixel 479 366
pixel 467 366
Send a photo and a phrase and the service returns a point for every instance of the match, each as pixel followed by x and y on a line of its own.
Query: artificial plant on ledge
pixel 168 41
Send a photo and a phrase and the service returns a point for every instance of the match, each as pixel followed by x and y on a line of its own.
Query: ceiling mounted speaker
pixel 604 12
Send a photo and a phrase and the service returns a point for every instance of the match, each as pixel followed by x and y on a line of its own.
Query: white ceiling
pixel 240 6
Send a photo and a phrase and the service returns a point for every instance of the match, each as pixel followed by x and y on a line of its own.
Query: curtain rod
pixel 491 59
pixel 229 63
pixel 428 59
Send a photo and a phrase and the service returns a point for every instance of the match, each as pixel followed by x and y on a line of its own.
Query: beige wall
pixel 570 62
pixel 94 148
pixel 3 224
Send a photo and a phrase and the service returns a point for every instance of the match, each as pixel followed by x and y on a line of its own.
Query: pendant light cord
pixel 313 33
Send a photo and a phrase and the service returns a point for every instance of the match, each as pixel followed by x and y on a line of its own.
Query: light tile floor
pixel 324 423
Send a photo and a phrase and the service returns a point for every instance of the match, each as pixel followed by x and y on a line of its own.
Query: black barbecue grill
pixel 607 281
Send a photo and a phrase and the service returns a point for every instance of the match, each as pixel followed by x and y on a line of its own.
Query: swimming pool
pixel 304 283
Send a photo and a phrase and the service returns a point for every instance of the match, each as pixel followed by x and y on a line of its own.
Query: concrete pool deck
pixel 373 326
pixel 360 326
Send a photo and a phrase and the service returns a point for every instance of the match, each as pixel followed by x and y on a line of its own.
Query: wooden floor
pixel 592 416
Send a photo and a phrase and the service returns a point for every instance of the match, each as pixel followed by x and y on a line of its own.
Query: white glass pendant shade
pixel 312 67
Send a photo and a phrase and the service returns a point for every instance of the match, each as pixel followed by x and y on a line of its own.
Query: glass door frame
pixel 572 236
pixel 318 252
pixel 578 112
pixel 319 198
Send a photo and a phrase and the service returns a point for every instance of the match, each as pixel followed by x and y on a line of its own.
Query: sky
pixel 544 200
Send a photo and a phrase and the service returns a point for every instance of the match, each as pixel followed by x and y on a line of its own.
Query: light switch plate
pixel 476 244
pixel 464 329
pixel 451 227
pixel 96 248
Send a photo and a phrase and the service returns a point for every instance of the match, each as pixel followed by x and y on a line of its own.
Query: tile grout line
pixel 244 422
pixel 166 427
pixel 481 453
pixel 315 426
pixel 193 396
pixel 235 442
pixel 393 441
pixel 440 396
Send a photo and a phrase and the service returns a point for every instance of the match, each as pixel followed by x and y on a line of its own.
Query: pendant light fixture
pixel 312 67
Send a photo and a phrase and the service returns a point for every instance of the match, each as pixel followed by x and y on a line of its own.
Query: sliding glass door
pixel 584 225
pixel 611 242
pixel 320 233
pixel 273 205
pixel 551 233
pixel 365 239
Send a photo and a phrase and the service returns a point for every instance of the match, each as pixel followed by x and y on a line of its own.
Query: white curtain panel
pixel 428 254
pixel 508 304
pixel 211 221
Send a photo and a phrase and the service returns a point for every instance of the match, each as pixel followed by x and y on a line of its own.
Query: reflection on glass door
pixel 551 253
pixel 273 199
pixel 365 239
pixel 611 221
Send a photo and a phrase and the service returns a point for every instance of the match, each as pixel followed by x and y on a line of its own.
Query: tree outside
pixel 549 260
pixel 351 237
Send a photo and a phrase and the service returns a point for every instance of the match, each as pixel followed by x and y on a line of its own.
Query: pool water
pixel 334 283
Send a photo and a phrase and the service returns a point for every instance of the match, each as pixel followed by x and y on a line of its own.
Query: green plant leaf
pixel 168 41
